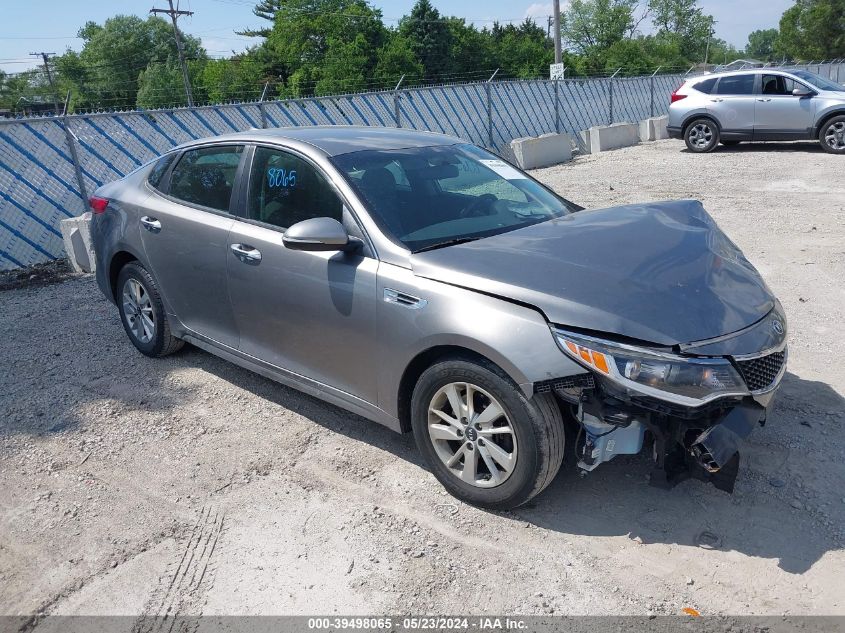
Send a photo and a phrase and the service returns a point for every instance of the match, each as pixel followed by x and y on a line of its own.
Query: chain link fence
pixel 50 165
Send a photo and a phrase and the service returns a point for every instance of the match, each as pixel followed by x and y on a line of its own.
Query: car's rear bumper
pixel 675 132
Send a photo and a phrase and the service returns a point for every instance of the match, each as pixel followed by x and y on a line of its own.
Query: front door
pixel 311 313
pixel 779 114
pixel 733 104
pixel 185 232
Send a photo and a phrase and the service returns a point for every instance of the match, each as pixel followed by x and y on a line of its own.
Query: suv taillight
pixel 98 205
pixel 676 97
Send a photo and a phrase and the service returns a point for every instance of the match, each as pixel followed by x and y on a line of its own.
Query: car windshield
pixel 817 81
pixel 429 197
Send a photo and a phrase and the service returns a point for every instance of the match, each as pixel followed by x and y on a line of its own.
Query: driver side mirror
pixel 320 234
pixel 802 92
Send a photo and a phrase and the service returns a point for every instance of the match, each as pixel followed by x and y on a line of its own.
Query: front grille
pixel 580 381
pixel 760 373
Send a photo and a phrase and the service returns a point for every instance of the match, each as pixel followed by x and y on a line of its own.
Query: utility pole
pixel 710 35
pixel 46 57
pixel 558 53
pixel 174 15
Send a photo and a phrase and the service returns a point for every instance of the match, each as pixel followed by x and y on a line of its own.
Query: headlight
pixel 690 381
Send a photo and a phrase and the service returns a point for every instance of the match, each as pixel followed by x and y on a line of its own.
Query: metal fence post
pixel 261 105
pixel 397 113
pixel 610 90
pixel 490 109
pixel 71 138
pixel 557 106
pixel 651 89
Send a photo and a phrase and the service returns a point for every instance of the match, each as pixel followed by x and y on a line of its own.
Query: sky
pixel 53 25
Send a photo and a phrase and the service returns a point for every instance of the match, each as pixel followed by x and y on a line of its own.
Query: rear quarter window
pixel 159 169
pixel 706 86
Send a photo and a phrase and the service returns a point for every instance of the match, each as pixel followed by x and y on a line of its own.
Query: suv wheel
pixel 142 312
pixel 484 441
pixel 832 135
pixel 701 136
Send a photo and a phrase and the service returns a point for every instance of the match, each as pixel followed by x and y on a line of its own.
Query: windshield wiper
pixel 452 242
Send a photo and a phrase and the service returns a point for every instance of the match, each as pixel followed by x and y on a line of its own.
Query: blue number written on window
pixel 280 177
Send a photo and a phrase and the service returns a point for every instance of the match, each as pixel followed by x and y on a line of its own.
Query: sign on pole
pixel 557 71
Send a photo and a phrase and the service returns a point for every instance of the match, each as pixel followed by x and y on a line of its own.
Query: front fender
pixel 515 337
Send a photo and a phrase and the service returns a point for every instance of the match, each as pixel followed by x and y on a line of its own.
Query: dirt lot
pixel 188 485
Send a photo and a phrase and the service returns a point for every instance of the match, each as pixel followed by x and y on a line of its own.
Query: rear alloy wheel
pixel 483 439
pixel 701 136
pixel 832 135
pixel 142 312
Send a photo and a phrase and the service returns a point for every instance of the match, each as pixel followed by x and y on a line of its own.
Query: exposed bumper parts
pixel 675 132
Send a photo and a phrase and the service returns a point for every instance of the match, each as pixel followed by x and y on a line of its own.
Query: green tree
pixel 266 10
pixel 683 22
pixel 761 44
pixel 523 51
pixel 813 29
pixel 593 26
pixel 394 59
pixel 237 79
pixel 430 38
pixel 471 51
pixel 324 45
pixel 106 72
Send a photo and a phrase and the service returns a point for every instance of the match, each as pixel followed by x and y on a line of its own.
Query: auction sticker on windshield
pixel 503 169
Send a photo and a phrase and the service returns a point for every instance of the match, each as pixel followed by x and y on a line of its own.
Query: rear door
pixel 184 231
pixel 312 313
pixel 732 103
pixel 779 114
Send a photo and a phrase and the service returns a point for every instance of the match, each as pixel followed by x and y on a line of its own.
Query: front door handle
pixel 247 254
pixel 151 224
pixel 764 100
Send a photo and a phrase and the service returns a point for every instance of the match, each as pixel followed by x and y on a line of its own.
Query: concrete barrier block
pixel 607 137
pixel 584 141
pixel 654 129
pixel 76 233
pixel 542 151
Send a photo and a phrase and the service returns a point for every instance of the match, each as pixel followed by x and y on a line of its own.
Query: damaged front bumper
pixel 702 441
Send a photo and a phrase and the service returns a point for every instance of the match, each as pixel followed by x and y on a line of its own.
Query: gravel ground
pixel 188 485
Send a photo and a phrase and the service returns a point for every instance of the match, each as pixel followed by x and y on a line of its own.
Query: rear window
pixel 706 86
pixel 736 85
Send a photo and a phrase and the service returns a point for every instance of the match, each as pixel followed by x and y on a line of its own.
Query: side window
pixel 706 86
pixel 206 176
pixel 285 189
pixel 736 85
pixel 159 169
pixel 779 85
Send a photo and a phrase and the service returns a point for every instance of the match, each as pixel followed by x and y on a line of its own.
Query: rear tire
pixel 142 312
pixel 701 136
pixel 832 135
pixel 516 451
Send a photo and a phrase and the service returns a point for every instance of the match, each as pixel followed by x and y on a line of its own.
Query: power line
pixel 46 57
pixel 174 16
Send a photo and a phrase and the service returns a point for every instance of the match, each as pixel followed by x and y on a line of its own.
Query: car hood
pixel 661 272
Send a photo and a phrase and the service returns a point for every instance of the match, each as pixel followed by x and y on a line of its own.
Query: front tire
pixel 142 312
pixel 832 135
pixel 487 443
pixel 701 136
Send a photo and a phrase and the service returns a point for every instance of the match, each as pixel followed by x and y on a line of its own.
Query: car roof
pixel 743 71
pixel 334 140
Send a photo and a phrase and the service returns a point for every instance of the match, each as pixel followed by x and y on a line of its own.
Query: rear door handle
pixel 245 253
pixel 151 224
pixel 764 100
pixel 717 100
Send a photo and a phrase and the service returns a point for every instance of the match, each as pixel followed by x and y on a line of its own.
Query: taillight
pixel 676 96
pixel 98 205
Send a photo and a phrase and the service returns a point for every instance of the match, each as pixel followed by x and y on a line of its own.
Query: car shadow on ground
pixel 617 500
pixel 810 147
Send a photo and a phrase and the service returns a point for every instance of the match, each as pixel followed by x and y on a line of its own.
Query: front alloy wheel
pixel 472 434
pixel 485 441
pixel 832 136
